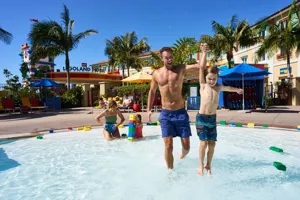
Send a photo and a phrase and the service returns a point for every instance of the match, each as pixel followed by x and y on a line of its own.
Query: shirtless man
pixel 174 120
pixel 206 118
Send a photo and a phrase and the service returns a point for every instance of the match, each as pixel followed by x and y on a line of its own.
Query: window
pixel 263 58
pixel 244 59
pixel 262 34
pixel 283 24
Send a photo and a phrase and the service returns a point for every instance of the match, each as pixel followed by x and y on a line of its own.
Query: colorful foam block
pixel 222 122
pixel 88 127
pixel 276 149
pixel 121 126
pixel 279 166
pixel 265 125
pixel 39 137
pixel 51 131
pixel 80 128
pixel 70 128
pixel 232 124
pixel 298 128
pixel 238 125
pixel 251 125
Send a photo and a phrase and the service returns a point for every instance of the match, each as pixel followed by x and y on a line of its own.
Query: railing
pixel 193 103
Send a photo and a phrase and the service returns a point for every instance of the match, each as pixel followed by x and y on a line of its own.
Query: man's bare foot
pixel 207 167
pixel 200 171
pixel 183 154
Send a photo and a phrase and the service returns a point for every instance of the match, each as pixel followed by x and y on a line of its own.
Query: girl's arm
pixel 98 117
pixel 121 116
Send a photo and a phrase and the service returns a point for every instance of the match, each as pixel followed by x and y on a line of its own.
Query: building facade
pixel 276 64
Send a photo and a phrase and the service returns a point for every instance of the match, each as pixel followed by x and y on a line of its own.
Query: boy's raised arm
pixel 204 48
pixel 231 89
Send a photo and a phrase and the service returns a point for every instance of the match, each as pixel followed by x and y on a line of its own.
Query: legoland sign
pixel 83 68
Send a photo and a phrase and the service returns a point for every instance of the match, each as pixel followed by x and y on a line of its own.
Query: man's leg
pixel 202 149
pixel 185 142
pixel 210 153
pixel 169 151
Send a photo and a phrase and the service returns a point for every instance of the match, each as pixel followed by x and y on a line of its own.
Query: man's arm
pixel 152 91
pixel 231 89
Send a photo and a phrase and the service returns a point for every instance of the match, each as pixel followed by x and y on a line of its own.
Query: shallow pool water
pixel 81 165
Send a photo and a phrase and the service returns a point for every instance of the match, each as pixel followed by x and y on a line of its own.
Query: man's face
pixel 211 79
pixel 167 58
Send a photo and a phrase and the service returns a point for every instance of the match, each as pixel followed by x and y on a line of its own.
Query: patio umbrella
pixel 243 70
pixel 45 83
pixel 140 77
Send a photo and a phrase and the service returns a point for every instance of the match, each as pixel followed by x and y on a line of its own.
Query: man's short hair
pixel 168 49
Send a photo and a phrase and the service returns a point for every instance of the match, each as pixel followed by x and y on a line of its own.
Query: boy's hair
pixel 168 49
pixel 112 105
pixel 213 70
pixel 139 116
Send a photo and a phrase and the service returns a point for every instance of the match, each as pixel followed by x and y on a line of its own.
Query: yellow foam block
pixel 121 126
pixel 251 125
pixel 80 128
pixel 132 117
pixel 87 129
pixel 298 126
pixel 158 123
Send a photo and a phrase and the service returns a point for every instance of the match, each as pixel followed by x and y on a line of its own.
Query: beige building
pixel 276 64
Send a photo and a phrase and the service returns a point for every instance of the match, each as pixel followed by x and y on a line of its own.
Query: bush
pixel 72 98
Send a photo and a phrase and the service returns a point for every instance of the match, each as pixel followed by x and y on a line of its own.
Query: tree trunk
pixel 123 71
pixel 229 56
pixel 128 70
pixel 68 70
pixel 288 64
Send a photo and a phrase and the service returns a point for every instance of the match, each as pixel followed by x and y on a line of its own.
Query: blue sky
pixel 161 21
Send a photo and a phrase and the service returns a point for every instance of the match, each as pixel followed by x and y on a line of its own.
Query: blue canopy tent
pixel 45 83
pixel 245 72
pixel 50 102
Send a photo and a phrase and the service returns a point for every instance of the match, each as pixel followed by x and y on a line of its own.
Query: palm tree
pixel 182 50
pixel 5 36
pixel 126 50
pixel 282 36
pixel 49 38
pixel 227 37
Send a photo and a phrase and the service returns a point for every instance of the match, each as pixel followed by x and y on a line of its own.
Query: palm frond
pixel 65 17
pixel 76 38
pixel 5 36
pixel 44 51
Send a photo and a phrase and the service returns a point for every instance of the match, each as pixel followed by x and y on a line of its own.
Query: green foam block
pixel 238 125
pixel 39 137
pixel 276 149
pixel 265 125
pixel 279 166
pixel 222 122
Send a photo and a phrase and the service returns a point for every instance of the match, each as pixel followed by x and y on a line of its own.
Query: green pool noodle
pixel 276 149
pixel 39 137
pixel 238 125
pixel 279 166
pixel 222 122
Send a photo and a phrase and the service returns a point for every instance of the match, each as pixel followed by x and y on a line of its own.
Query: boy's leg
pixel 210 153
pixel 202 149
pixel 169 151
pixel 185 142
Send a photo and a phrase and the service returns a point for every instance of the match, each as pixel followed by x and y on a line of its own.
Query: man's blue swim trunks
pixel 175 123
pixel 206 127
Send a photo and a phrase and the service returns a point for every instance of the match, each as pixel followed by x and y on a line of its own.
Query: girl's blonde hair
pixel 112 106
